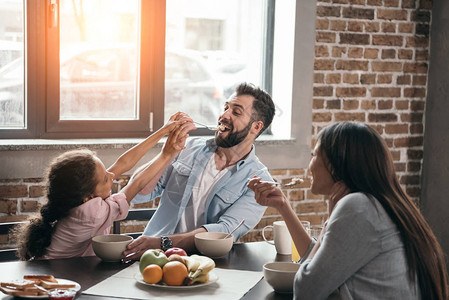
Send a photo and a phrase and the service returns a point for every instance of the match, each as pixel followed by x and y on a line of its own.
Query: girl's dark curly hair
pixel 70 179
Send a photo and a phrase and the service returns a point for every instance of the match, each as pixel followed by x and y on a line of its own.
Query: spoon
pixel 240 224
pixel 208 127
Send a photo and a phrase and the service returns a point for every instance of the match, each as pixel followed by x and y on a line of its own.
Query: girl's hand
pixel 176 120
pixel 267 193
pixel 177 138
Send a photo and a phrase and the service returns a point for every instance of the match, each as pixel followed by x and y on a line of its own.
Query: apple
pixel 175 250
pixel 152 256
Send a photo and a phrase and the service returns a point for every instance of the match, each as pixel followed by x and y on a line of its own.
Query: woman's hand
pixel 177 138
pixel 176 120
pixel 267 193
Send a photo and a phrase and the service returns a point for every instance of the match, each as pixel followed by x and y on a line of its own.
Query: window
pixel 120 68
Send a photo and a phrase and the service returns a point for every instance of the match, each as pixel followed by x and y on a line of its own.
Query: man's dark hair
pixel 263 106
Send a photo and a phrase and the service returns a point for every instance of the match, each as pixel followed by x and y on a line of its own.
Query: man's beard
pixel 233 138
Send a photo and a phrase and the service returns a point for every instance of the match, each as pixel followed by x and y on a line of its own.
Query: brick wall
pixel 371 63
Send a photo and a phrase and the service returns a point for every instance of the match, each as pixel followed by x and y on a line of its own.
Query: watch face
pixel 166 243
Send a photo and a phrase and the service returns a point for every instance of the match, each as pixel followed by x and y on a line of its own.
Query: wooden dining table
pixel 88 271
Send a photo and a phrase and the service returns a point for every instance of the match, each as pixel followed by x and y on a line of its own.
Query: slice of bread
pixel 38 278
pixel 52 285
pixel 16 292
pixel 17 284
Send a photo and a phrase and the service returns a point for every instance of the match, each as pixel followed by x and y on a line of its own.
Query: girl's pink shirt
pixel 73 234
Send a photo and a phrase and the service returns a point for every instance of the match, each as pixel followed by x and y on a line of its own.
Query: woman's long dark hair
pixel 70 179
pixel 360 158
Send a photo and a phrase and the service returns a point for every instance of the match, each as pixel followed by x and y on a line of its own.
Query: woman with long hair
pixel 376 244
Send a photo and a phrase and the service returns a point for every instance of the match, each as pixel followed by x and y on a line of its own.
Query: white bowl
pixel 280 275
pixel 110 247
pixel 212 244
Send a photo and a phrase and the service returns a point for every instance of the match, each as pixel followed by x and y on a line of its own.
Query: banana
pixel 206 264
pixel 191 263
pixel 203 278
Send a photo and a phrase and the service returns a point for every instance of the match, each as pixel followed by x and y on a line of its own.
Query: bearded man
pixel 204 188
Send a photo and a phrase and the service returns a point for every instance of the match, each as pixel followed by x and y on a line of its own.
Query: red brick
pixel 322 24
pixel 324 64
pixel 352 65
pixel 359 2
pixel 371 53
pixel 403 80
pixel 413 191
pixel 351 92
pixel 380 66
pixel 385 104
pixel 36 191
pixel 13 191
pixel 408 141
pixel 388 53
pixel 385 92
pixel 388 27
pixel 414 92
pixel 328 11
pixel 340 1
pixel 396 155
pixel 351 78
pixel 420 16
pixel 345 116
pixel 318 103
pixel 374 2
pixel 392 14
pixel 425 4
pixel 355 26
pixel 415 67
pixel 296 195
pixel 326 37
pixel 414 154
pixel 358 13
pixel 396 128
pixel 355 52
pixel 350 104
pixel 384 78
pixel 405 27
pixel 391 3
pixel 321 51
pixel 422 29
pixel 312 207
pixel 368 104
pixel 399 167
pixel 405 54
pixel 338 25
pixel 322 117
pixel 417 42
pixel 410 179
pixel 30 206
pixel 338 51
pixel 318 78
pixel 419 80
pixel 417 105
pixel 388 40
pixel 422 55
pixel 8 206
pixel 323 91
pixel 33 180
pixel 378 117
pixel 408 3
pixel 368 79
pixel 372 27
pixel 354 39
pixel 333 104
pixel 413 166
pixel 333 78
pixel 412 117
pixel 416 128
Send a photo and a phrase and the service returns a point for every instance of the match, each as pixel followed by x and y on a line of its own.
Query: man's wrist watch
pixel 166 243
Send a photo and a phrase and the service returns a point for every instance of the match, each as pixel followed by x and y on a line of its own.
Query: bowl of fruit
pixel 175 269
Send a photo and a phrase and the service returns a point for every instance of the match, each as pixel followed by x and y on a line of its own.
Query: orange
pixel 174 273
pixel 152 274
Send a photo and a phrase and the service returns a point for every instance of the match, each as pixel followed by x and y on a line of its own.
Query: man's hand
pixel 136 248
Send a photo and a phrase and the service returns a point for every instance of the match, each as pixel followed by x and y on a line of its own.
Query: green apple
pixel 152 256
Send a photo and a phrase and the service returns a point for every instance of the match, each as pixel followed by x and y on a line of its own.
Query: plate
pixel 212 278
pixel 62 281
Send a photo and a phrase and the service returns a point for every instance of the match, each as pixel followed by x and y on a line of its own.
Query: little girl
pixel 79 202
